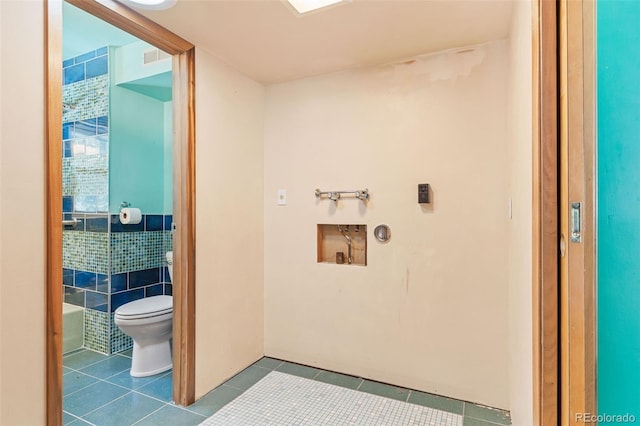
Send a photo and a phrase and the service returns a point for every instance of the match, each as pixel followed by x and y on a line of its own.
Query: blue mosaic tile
pixel 85 57
pixel 97 327
pixel 90 99
pixel 103 121
pixel 86 280
pixel 119 299
pixel 118 282
pixel 67 276
pixel 97 301
pixel 168 289
pixel 168 220
pixel 68 62
pixel 144 277
pixel 74 74
pixel 102 281
pixel 98 67
pixel 102 51
pixel 153 222
pixel 154 290
pixel 119 340
pixel 74 296
pixel 136 251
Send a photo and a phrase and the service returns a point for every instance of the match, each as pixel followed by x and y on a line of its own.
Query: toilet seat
pixel 149 307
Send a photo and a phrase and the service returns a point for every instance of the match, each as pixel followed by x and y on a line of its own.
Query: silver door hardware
pixel 576 226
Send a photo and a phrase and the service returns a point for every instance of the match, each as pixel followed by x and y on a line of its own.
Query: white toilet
pixel 148 322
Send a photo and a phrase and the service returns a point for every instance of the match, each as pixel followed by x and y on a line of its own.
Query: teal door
pixel 618 209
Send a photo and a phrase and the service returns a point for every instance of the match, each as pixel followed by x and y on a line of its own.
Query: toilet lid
pixel 149 306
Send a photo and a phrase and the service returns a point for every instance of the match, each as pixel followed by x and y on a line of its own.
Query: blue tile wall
pixel 102 283
pixel 154 290
pixel 154 222
pixel 144 278
pixel 119 282
pixel 84 57
pixel 97 67
pixel 67 204
pixel 119 299
pixel 117 226
pixel 74 73
pixel 88 65
pixel 168 222
pixel 105 263
pixel 67 276
pixel 74 296
pixel 86 280
pixel 97 301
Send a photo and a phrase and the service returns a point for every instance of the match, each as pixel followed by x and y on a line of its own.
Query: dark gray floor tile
pixel 436 401
pixel 124 411
pixel 172 416
pixel 470 421
pixel 385 390
pixel 268 363
pixel 338 379
pixel 298 370
pixel 215 400
pixel 486 413
pixel 247 377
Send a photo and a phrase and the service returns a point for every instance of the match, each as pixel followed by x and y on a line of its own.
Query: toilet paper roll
pixel 130 216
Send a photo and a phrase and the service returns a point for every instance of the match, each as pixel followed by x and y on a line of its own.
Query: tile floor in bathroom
pixel 98 390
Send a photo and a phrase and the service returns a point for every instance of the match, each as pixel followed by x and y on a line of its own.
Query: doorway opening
pixel 88 204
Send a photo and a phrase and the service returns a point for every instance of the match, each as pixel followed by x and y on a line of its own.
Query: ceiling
pixel 270 43
pixel 82 32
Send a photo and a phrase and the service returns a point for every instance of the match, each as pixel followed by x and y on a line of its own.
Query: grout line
pixel 408 395
pixel 233 387
pixel 151 396
pixel 148 415
pixel 102 406
pixel 360 384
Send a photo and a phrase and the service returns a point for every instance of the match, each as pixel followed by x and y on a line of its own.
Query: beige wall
pixel 520 227
pixel 430 309
pixel 229 205
pixel 229 198
pixel 22 218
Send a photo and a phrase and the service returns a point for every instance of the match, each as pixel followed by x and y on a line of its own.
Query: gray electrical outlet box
pixel 423 193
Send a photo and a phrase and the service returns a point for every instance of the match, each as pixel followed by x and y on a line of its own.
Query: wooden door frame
pixel 545 271
pixel 183 192
pixel 577 182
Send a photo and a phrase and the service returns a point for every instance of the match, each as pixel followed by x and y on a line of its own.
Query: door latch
pixel 576 222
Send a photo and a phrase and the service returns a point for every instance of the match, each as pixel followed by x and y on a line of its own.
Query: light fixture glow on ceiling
pixel 304 6
pixel 150 4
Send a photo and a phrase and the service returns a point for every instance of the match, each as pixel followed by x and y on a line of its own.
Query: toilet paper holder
pixel 125 204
